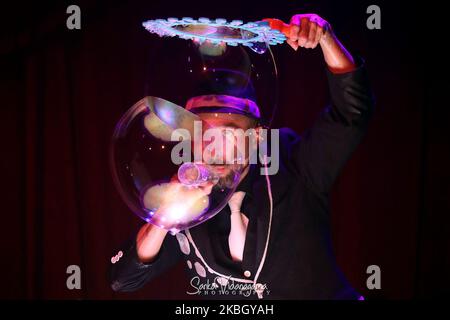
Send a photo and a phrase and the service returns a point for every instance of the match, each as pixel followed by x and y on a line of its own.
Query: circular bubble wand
pixel 216 31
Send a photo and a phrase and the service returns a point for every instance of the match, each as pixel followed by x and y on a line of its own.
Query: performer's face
pixel 231 123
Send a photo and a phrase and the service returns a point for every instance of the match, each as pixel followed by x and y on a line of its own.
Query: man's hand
pixel 309 30
pixel 148 242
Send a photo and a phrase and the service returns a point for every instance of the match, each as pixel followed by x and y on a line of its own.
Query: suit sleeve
pixel 322 151
pixel 129 274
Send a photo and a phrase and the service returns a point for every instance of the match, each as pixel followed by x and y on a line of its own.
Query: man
pixel 273 241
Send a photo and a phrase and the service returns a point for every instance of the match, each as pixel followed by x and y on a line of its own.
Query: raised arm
pixel 322 150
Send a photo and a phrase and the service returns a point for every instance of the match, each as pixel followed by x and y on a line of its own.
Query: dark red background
pixel 62 92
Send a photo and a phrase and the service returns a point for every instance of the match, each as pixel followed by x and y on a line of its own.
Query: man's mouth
pixel 219 168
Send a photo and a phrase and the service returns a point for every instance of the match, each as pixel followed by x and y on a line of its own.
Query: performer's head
pixel 237 120
pixel 226 100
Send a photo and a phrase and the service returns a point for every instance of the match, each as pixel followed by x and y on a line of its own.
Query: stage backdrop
pixel 62 91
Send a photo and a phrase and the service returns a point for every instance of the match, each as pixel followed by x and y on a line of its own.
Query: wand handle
pixel 279 25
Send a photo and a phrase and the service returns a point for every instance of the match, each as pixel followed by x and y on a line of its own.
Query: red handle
pixel 279 25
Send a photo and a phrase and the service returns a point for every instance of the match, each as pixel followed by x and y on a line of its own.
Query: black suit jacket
pixel 288 252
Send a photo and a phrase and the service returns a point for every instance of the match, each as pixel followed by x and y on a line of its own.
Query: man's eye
pixel 228 133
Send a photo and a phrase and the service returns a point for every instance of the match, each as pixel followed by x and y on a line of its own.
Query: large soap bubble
pixel 153 152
